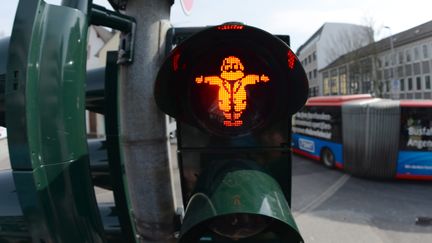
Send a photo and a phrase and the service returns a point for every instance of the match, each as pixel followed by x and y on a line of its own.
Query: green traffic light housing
pixel 232 89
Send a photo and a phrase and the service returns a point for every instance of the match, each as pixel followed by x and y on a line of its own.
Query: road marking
pixel 323 196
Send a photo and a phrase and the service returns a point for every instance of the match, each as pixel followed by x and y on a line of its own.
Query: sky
pixel 299 19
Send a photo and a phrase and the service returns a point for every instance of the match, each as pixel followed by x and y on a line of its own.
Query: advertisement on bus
pixel 415 144
pixel 318 129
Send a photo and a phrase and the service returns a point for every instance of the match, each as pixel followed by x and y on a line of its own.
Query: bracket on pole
pixel 126 24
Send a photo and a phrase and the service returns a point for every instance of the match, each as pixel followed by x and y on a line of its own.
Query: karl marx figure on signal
pixel 232 94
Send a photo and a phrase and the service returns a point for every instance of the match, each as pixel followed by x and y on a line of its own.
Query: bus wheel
pixel 328 158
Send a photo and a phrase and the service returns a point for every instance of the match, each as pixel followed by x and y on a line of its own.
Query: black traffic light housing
pixel 233 89
pixel 257 49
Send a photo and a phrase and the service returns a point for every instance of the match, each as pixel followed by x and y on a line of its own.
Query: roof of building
pixel 416 33
pixel 319 32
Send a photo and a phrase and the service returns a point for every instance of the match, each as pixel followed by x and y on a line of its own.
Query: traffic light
pixel 232 89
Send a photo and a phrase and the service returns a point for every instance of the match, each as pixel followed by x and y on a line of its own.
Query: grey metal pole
pixel 144 142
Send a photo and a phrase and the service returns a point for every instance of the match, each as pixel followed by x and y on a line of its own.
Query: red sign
pixel 187 6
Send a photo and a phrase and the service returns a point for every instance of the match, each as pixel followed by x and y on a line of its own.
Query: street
pixel 330 206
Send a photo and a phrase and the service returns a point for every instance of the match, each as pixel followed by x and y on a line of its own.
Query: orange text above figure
pixel 232 94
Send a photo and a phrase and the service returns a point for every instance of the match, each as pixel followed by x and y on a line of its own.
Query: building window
pixel 343 83
pixel 311 92
pixel 388 73
pixel 416 53
pixel 314 56
pixel 334 82
pixel 427 82
pixel 379 62
pixel 379 74
pixel 425 67
pixel 393 58
pixel 366 76
pixel 408 55
pixel 418 82
pixel 408 70
pixel 402 84
pixel 425 51
pixel 326 88
pixel 309 58
pixel 416 67
pixel 387 86
pixel 366 87
pixel 400 54
pixel 315 72
pixel 343 80
pixel 410 84
pixel 334 86
pixel 400 71
pixel 386 60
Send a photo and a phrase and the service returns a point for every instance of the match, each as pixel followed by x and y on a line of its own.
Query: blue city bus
pixel 367 136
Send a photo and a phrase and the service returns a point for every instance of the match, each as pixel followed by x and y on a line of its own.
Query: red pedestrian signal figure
pixel 232 94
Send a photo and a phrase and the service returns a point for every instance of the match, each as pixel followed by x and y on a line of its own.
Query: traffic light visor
pixel 237 203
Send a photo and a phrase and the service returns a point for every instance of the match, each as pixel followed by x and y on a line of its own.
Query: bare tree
pixel 377 86
pixel 348 40
pixel 344 46
pixel 361 56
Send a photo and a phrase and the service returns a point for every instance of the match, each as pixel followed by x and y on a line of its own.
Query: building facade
pixel 397 67
pixel 329 42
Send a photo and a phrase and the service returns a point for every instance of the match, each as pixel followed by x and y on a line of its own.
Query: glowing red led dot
pixel 230 27
pixel 291 59
pixel 175 61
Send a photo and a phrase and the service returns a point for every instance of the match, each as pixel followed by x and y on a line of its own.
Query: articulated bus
pixel 367 136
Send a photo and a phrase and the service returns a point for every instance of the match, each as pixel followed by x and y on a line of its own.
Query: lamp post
pixel 394 82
